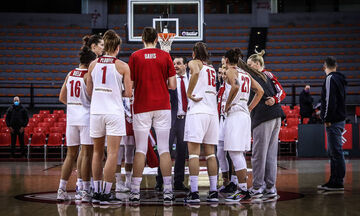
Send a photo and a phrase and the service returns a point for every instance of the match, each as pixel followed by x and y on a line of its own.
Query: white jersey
pixel 240 102
pixel 107 82
pixel 205 89
pixel 78 102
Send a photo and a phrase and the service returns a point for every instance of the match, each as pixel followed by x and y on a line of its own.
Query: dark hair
pixel 330 62
pixel 200 51
pixel 241 64
pixel 86 56
pixel 89 40
pixel 149 35
pixel 184 59
pixel 111 41
pixel 233 55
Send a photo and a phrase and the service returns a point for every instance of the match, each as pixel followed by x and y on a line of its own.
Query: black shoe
pixel 192 197
pixel 324 186
pixel 108 199
pixel 230 188
pixel 96 198
pixel 158 187
pixel 181 187
pixel 334 187
pixel 213 196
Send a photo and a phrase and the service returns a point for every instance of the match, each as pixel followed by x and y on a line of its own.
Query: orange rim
pixel 166 36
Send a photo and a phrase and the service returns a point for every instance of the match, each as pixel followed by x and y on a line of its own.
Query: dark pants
pixel 335 152
pixel 177 131
pixel 14 135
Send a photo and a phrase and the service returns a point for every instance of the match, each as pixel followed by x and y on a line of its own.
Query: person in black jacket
pixel 306 106
pixel 333 114
pixel 16 120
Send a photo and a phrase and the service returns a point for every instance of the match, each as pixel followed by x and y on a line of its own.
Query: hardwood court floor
pixel 295 176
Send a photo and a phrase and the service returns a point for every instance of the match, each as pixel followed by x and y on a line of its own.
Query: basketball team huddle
pixel 116 104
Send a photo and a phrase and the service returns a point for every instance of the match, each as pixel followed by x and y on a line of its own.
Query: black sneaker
pixel 213 196
pixel 323 187
pixel 230 188
pixel 169 197
pixel 238 196
pixel 158 187
pixel 192 197
pixel 334 187
pixel 109 199
pixel 96 198
pixel 134 197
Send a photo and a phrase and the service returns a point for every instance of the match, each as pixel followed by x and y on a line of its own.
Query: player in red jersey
pixel 153 74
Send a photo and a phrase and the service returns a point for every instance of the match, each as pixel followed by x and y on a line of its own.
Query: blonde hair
pixel 111 41
pixel 258 57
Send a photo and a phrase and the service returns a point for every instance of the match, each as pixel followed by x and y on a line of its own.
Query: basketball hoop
pixel 165 41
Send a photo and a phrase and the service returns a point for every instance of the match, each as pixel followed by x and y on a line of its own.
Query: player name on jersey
pixel 107 60
pixel 77 73
pixel 150 55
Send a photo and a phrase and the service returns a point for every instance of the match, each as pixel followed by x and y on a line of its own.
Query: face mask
pixel 16 103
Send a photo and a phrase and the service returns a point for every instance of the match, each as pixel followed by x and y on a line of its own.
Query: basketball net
pixel 165 40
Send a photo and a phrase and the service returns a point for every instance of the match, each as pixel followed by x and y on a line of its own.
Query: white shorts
pixel 159 119
pixel 202 128
pixel 237 132
pixel 76 135
pixel 127 140
pixel 109 125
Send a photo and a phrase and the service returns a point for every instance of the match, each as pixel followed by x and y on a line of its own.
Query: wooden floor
pixel 295 177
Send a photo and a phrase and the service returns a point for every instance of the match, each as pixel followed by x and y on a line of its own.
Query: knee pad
pixel 141 141
pixel 129 154
pixel 120 155
pixel 209 156
pixel 223 161
pixel 193 156
pixel 238 160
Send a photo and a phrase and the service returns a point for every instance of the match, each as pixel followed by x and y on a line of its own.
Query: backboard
pixel 185 18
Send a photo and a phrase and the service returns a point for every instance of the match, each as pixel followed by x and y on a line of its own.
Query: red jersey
pixel 150 69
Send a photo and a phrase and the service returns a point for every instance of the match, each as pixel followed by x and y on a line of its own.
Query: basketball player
pixel 107 113
pixel 153 73
pixel 202 123
pixel 96 44
pixel 265 124
pixel 126 149
pixel 237 137
pixel 73 94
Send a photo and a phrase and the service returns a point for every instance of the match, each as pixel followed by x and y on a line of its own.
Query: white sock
pixel 234 179
pixel 135 184
pixel 62 184
pixel 79 184
pixel 242 186
pixel 107 187
pixel 194 183
pixel 167 183
pixel 92 182
pixel 86 185
pixel 98 186
pixel 213 182
pixel 118 177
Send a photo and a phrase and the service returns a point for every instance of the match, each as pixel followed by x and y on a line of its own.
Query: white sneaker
pixel 120 187
pixel 62 195
pixel 256 193
pixel 86 197
pixel 78 195
pixel 270 193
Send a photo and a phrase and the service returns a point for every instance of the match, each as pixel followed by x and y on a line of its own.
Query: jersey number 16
pixel 75 90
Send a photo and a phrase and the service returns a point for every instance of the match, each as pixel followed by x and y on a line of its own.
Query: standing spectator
pixel 333 96
pixel 16 120
pixel 306 106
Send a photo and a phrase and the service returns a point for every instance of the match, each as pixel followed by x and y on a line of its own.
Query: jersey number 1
pixel 104 74
pixel 75 90
pixel 211 77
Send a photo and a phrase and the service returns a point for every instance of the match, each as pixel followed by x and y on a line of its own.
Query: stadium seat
pixel 54 116
pixel 44 112
pixel 55 140
pixel 5 130
pixel 56 130
pixel 59 112
pixel 292 122
pixel 50 120
pixel 62 119
pixel 5 139
pixel 45 125
pixel 306 120
pixel 38 139
pixel 39 130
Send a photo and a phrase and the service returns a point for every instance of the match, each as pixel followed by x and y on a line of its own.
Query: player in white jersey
pixel 237 137
pixel 96 44
pixel 107 113
pixel 126 150
pixel 202 123
pixel 73 94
